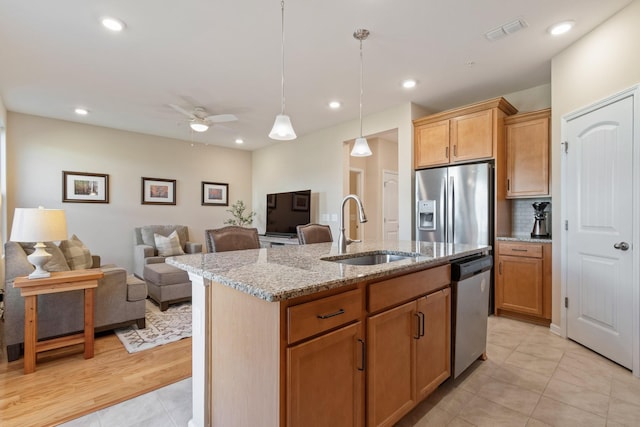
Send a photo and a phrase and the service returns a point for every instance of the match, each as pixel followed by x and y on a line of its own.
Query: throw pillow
pixel 168 246
pixel 76 253
pixel 57 262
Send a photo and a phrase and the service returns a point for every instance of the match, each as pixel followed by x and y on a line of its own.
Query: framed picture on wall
pixel 158 191
pixel 215 194
pixel 84 187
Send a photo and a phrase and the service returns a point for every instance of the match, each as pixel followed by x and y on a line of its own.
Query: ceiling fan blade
pixel 221 118
pixel 182 110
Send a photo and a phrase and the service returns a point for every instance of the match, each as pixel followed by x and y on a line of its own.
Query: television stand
pixel 271 241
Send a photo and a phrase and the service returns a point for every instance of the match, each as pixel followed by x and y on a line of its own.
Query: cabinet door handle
pixel 455 150
pixel 327 316
pixel 500 268
pixel 508 184
pixel 519 250
pixel 417 335
pixel 363 353
pixel 422 316
pixel 446 152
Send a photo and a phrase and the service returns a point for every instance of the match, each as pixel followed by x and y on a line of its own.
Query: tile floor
pixel 532 378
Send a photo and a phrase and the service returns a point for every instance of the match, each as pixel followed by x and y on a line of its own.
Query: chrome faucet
pixel 343 240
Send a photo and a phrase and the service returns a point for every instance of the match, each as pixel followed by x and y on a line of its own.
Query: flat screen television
pixel 287 210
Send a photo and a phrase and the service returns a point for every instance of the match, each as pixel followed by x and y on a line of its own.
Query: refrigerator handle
pixel 451 210
pixel 446 209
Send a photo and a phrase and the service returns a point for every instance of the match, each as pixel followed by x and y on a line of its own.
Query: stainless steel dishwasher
pixel 471 286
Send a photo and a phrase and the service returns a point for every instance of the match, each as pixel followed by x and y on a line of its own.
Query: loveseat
pixel 119 298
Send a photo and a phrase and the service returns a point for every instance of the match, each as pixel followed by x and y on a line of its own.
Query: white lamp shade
pixel 282 129
pixel 361 148
pixel 199 126
pixel 38 225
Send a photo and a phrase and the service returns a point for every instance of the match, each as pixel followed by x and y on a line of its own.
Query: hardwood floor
pixel 66 386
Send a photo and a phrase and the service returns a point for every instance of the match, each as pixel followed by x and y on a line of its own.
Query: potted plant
pixel 240 218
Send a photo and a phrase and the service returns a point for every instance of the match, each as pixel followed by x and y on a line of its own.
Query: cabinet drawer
pixel 531 250
pixel 404 288
pixel 314 317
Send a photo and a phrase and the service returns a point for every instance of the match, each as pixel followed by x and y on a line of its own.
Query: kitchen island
pixel 286 335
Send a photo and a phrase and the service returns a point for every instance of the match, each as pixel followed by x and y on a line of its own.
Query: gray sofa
pixel 119 301
pixel 144 247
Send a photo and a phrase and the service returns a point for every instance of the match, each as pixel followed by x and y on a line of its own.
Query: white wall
pixel 317 162
pixel 39 149
pixel 600 64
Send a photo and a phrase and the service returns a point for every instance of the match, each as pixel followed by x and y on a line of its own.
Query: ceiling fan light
pixel 282 129
pixel 361 148
pixel 199 125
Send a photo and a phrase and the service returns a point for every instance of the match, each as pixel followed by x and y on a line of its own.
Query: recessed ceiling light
pixel 239 141
pixel 113 24
pixel 335 104
pixel 81 111
pixel 409 84
pixel 561 28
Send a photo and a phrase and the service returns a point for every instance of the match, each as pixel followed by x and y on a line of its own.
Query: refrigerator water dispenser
pixel 426 214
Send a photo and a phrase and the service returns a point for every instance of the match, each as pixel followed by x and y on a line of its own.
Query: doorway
pixel 370 177
pixel 390 221
pixel 600 268
pixel 356 178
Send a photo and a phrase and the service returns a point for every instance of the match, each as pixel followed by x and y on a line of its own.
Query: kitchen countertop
pixel 281 273
pixel 524 238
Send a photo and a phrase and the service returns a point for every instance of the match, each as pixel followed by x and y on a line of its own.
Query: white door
pixel 390 224
pixel 599 167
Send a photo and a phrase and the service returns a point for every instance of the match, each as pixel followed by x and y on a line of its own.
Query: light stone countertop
pixel 285 272
pixel 524 238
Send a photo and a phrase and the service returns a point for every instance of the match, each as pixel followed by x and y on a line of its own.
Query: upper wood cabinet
pixel 527 142
pixel 461 135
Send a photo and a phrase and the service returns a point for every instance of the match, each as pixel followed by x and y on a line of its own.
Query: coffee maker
pixel 540 223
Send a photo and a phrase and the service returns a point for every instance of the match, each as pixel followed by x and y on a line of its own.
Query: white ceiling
pixel 224 55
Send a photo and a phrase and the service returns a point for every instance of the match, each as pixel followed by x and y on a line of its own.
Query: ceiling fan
pixel 200 119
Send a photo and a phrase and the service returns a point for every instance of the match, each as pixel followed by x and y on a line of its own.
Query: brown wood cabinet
pixel 464 134
pixel 325 379
pixel 409 345
pixel 365 354
pixel 527 142
pixel 523 285
pixel 328 368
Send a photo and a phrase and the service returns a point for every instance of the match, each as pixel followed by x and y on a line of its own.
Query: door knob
pixel 623 246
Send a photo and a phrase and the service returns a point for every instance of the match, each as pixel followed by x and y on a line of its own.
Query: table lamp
pixel 39 225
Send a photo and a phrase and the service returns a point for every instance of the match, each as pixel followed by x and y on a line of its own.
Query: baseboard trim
pixel 555 329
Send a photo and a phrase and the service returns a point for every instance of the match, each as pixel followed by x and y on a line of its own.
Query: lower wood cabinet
pixel 408 356
pixel 325 379
pixel 523 285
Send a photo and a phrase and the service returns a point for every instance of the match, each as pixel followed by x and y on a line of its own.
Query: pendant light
pixel 361 147
pixel 282 129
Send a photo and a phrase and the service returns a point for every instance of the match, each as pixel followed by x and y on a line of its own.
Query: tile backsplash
pixel 522 215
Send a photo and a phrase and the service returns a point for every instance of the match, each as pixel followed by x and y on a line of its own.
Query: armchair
pixel 119 301
pixel 145 250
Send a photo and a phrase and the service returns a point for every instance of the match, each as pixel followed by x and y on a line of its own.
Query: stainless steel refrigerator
pixel 454 204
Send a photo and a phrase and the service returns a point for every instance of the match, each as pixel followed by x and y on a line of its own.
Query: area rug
pixel 162 327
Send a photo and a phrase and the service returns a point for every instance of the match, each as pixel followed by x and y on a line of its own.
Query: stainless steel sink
pixel 369 259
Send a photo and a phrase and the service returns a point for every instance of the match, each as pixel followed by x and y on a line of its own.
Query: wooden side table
pixel 58 282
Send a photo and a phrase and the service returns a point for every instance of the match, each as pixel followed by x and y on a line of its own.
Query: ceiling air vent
pixel 506 29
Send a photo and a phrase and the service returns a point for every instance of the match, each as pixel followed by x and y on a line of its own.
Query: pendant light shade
pixel 361 147
pixel 282 129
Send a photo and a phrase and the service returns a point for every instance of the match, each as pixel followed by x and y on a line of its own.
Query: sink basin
pixel 369 259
